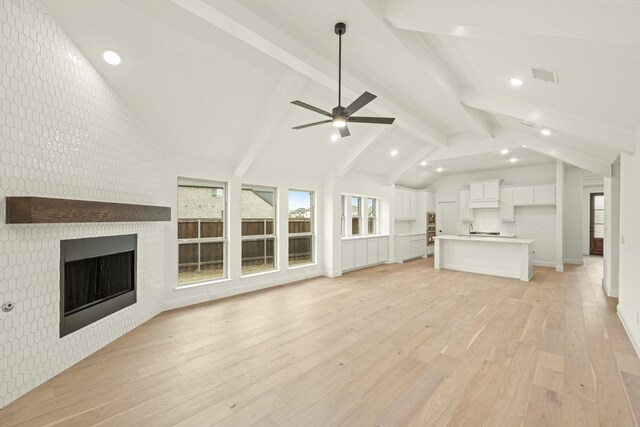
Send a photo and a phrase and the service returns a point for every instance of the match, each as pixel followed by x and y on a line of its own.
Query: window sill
pixel 298 267
pixel 368 236
pixel 261 273
pixel 199 284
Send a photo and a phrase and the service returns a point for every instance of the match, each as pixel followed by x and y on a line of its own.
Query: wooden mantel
pixel 44 210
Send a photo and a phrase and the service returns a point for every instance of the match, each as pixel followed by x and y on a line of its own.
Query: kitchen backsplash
pixel 488 220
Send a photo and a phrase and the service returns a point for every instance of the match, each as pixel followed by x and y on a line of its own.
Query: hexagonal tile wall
pixel 63 133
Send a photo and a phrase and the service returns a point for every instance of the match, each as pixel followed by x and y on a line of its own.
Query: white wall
pixel 235 284
pixel 629 302
pixel 579 184
pixel 67 135
pixel 611 267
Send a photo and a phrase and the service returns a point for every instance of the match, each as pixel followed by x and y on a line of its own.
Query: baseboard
pixel 544 264
pixel 610 292
pixel 635 341
pixel 574 261
pixel 234 288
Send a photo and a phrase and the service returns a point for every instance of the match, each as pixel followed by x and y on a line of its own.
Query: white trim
pixel 610 292
pixel 204 283
pixel 635 341
pixel 544 264
pixel 224 292
pixel 260 273
pixel 299 266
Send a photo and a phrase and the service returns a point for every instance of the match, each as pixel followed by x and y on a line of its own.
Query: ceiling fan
pixel 340 115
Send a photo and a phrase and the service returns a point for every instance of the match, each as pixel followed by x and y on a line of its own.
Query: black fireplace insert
pixel 97 278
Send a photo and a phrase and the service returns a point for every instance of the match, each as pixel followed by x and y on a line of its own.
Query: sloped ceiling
pixel 214 79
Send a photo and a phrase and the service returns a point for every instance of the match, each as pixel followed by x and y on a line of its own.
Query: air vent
pixel 530 124
pixel 548 76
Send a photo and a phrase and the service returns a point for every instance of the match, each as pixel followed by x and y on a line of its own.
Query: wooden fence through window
pixel 209 255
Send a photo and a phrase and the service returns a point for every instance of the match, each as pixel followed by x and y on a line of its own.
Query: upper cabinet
pixel 534 195
pixel 466 213
pixel 485 191
pixel 507 211
pixel 406 205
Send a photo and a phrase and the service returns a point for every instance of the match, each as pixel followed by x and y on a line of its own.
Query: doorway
pixel 446 218
pixel 596 224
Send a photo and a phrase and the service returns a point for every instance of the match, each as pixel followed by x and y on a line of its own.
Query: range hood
pixel 486 204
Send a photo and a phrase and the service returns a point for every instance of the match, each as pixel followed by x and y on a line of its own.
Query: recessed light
pixel 334 137
pixel 394 153
pixel 111 57
pixel 439 170
pixel 513 160
pixel 505 151
pixel 524 146
pixel 423 163
pixel 545 132
pixel 516 82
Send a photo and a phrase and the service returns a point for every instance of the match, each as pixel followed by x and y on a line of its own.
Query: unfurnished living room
pixel 319 213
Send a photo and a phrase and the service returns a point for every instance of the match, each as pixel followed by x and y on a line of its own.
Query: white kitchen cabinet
pixel 544 195
pixel 485 191
pixel 534 195
pixel 383 249
pixel 348 255
pixel 466 213
pixel 507 211
pixel 410 247
pixel 523 196
pixel 372 251
pixel 362 252
pixel 476 191
pixel 406 205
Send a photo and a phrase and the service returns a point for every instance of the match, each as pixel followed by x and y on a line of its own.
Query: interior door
pixel 596 226
pixel 446 217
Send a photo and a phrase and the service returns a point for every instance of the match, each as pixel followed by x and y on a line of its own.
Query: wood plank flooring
pixel 391 345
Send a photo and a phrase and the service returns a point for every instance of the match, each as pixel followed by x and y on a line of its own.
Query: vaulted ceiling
pixel 214 79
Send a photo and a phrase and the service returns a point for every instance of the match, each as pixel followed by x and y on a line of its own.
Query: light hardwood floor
pixel 390 345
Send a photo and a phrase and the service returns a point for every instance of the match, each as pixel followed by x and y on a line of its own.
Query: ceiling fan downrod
pixel 340 29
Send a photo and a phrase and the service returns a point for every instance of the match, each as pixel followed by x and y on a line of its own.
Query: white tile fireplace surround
pixel 64 133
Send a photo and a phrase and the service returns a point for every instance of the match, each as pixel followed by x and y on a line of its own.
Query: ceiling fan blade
pixel 311 124
pixel 311 107
pixel 378 120
pixel 362 100
pixel 344 131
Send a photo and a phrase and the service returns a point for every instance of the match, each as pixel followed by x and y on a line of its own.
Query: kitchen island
pixel 496 256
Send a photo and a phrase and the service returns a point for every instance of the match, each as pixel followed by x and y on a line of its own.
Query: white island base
pixel 505 257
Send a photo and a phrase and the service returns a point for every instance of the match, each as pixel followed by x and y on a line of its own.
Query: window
pixel 372 214
pixel 202 239
pixel 355 216
pixel 258 229
pixel 300 227
pixel 359 208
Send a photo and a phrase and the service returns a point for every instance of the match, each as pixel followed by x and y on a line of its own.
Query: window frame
pixel 212 184
pixel 265 236
pixel 359 215
pixel 346 209
pixel 312 210
pixel 375 216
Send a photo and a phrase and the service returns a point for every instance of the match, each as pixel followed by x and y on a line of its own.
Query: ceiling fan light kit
pixel 340 116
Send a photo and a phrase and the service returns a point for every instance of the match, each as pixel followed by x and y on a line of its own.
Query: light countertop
pixel 486 239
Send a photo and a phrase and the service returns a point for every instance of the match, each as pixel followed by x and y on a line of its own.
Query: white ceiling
pixel 214 79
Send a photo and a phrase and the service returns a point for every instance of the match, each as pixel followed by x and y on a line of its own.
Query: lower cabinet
pixel 410 247
pixel 363 252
